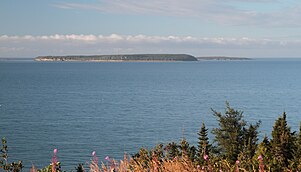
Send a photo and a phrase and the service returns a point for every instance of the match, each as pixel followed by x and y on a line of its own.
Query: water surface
pixel 112 108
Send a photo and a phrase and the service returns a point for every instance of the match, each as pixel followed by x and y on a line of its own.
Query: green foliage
pixel 80 168
pixel 14 166
pixel 229 134
pixel 249 145
pixel 49 168
pixel 142 157
pixel 192 153
pixel 3 161
pixel 187 150
pixel 158 151
pixel 184 145
pixel 282 144
pixel 204 147
pixel 172 150
pixel 297 153
pixel 263 150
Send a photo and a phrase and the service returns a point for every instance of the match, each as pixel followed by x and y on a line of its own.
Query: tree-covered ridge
pixel 124 57
pixel 222 58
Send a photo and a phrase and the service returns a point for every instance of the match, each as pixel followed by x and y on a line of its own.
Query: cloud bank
pixel 32 46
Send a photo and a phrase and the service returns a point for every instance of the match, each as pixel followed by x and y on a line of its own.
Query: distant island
pixel 222 58
pixel 120 58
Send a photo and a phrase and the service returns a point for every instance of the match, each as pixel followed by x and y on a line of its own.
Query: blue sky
pixel 249 28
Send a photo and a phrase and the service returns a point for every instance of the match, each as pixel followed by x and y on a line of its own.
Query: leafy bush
pixel 4 164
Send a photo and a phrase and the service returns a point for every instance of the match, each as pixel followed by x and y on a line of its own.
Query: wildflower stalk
pixel 261 164
pixel 94 163
pixel 236 166
pixel 54 160
pixel 33 169
pixel 94 157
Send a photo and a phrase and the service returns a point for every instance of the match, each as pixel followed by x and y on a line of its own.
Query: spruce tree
pixel 187 150
pixel 297 152
pixel 282 144
pixel 250 138
pixel 172 150
pixel 158 151
pixel 264 150
pixel 249 145
pixel 203 144
pixel 184 146
pixel 229 134
pixel 192 153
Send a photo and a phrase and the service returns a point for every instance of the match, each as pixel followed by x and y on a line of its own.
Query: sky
pixel 238 28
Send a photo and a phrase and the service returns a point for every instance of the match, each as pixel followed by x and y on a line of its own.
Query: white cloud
pixel 31 46
pixel 219 11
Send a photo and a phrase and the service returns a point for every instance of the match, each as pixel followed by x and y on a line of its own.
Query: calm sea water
pixel 112 108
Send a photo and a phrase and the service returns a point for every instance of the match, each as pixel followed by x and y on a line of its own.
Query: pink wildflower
pixel 237 163
pixel 33 169
pixel 261 164
pixel 94 157
pixel 93 153
pixel 260 157
pixel 54 151
pixel 206 157
pixel 107 158
pixel 54 160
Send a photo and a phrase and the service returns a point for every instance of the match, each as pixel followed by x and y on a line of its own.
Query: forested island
pixel 135 57
pixel 120 58
pixel 222 58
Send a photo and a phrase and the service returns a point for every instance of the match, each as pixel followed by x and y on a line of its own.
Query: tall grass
pixel 177 164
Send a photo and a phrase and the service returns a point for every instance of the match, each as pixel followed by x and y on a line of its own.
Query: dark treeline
pixel 122 57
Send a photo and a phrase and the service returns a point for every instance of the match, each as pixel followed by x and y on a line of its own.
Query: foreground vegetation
pixel 234 148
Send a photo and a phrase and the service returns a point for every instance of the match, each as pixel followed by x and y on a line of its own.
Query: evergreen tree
pixel 172 150
pixel 264 149
pixel 297 152
pixel 158 151
pixel 250 138
pixel 282 144
pixel 192 153
pixel 189 152
pixel 203 144
pixel 229 135
pixel 142 157
pixel 184 146
pixel 249 145
pixel 80 168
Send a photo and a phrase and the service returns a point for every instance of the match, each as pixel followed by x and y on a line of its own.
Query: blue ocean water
pixel 112 108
